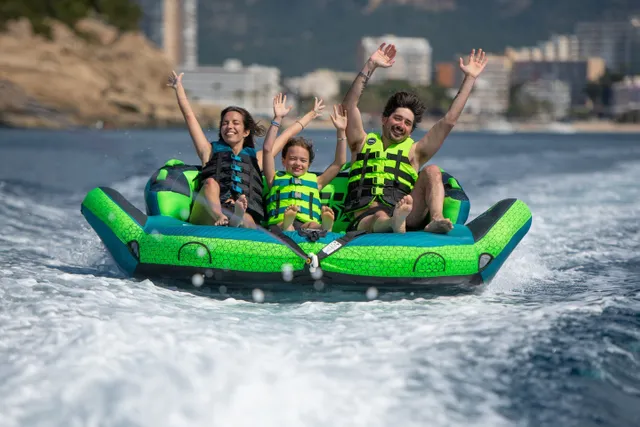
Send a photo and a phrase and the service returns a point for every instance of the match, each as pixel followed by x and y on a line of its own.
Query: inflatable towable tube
pixel 162 244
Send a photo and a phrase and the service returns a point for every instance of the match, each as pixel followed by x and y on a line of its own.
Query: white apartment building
pixel 491 90
pixel 574 73
pixel 626 96
pixel 322 83
pixel 412 63
pixel 556 93
pixel 251 87
pixel 557 48
pixel 565 47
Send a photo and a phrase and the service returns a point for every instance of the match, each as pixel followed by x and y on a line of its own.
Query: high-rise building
pixel 549 51
pixel 561 47
pixel 189 57
pixel 151 21
pixel 491 90
pixel 617 42
pixel 565 48
pixel 173 26
pixel 413 61
pixel 557 48
pixel 172 41
pixel 574 73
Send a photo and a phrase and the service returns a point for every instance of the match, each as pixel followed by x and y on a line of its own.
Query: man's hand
pixel 475 64
pixel 384 57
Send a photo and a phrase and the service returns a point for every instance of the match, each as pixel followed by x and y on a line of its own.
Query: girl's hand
pixel 279 107
pixel 318 107
pixel 175 80
pixel 339 117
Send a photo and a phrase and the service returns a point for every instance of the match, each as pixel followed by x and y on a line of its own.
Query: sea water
pixel 553 340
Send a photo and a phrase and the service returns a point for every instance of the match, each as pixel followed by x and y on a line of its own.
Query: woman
pixel 231 168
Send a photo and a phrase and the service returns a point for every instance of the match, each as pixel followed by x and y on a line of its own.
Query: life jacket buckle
pixel 297 181
pixel 312 234
pixel 297 195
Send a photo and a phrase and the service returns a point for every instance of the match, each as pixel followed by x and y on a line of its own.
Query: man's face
pixel 397 127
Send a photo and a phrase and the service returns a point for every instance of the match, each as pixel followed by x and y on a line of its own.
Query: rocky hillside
pixel 103 77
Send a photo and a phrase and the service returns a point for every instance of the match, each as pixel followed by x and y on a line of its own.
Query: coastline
pixel 465 126
pixel 582 126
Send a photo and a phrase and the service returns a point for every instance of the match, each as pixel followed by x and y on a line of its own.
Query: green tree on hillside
pixel 600 92
pixel 123 14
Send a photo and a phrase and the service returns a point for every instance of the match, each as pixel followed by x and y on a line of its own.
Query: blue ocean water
pixel 553 340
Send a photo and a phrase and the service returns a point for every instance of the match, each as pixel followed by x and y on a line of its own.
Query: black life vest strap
pixel 365 189
pixel 278 233
pixel 364 167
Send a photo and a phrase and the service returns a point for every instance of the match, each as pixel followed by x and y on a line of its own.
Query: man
pixel 387 191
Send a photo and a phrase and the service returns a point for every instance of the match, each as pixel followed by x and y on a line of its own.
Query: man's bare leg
pixel 428 198
pixel 207 209
pixel 382 223
pixel 248 222
pixel 366 223
pixel 400 214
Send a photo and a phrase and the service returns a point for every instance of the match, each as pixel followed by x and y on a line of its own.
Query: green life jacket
pixel 378 174
pixel 287 190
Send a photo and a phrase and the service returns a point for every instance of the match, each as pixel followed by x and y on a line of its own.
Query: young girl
pixel 231 168
pixel 294 197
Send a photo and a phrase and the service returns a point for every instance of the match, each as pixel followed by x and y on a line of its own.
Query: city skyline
pixel 551 70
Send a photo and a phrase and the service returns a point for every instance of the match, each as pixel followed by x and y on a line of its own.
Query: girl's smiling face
pixel 296 160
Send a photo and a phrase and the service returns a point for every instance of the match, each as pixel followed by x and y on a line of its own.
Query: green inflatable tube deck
pixel 161 244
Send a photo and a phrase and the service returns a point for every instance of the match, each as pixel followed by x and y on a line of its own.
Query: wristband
pixel 274 123
pixel 298 122
pixel 344 138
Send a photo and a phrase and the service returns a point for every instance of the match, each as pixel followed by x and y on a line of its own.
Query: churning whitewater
pixel 553 340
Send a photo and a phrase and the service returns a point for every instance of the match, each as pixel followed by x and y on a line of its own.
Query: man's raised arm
pixel 383 57
pixel 429 145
